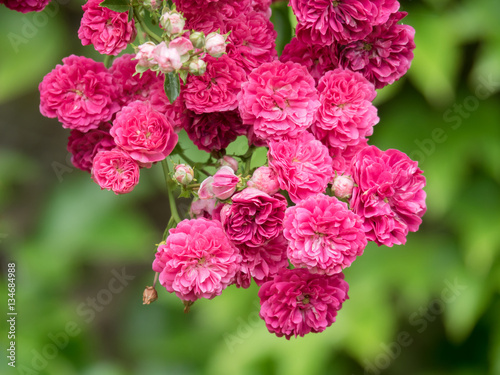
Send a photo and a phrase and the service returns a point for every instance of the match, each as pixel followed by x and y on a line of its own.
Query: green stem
pixel 139 35
pixel 108 60
pixel 151 34
pixel 171 200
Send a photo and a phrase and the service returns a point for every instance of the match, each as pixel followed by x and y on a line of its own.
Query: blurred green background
pixel 430 307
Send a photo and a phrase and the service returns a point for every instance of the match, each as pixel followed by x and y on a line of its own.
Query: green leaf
pixel 172 86
pixel 116 5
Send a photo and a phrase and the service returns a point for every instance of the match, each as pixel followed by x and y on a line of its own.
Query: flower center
pixel 367 46
pixel 335 3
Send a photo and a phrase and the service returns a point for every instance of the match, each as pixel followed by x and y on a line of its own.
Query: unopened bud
pixel 230 162
pixel 342 186
pixel 145 55
pixel 149 296
pixel 183 174
pixel 198 39
pixel 215 44
pixel 152 4
pixel 265 180
pixel 173 22
pixel 197 67
pixel 206 190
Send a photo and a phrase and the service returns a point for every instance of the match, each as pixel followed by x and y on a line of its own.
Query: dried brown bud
pixel 149 295
pixel 187 306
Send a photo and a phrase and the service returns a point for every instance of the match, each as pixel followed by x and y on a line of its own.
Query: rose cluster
pixel 291 225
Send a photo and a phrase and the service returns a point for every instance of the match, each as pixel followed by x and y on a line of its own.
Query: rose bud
pixel 198 39
pixel 197 67
pixel 225 182
pixel 265 180
pixel 183 174
pixel 230 162
pixel 172 22
pixel 206 191
pixel 215 44
pixel 145 55
pixel 342 186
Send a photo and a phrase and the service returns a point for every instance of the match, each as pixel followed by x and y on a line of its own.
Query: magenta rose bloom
pixel 389 195
pixel 25 6
pixel 323 22
pixel 342 158
pixel 297 302
pixel 252 40
pixel 132 87
pixel 325 236
pixel 107 30
pixel 144 133
pixel 346 115
pixel 80 93
pixel 225 8
pixel 254 218
pixel 224 183
pixel 115 170
pixel 261 263
pixel 279 100
pixel 217 89
pixel 213 131
pixel 84 146
pixel 317 59
pixel 197 260
pixel 383 56
pixel 302 165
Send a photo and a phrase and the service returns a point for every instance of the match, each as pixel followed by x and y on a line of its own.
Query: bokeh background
pixel 430 307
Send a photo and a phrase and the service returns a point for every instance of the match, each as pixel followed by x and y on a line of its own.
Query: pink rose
pixel 302 165
pixel 265 179
pixel 254 217
pixel 144 133
pixel 107 30
pixel 225 182
pixel 115 170
pixel 389 196
pixel 182 45
pixel 324 235
pixel 80 93
pixel 198 260
pixel 297 302
pixel 202 208
pixel 25 6
pixel 279 100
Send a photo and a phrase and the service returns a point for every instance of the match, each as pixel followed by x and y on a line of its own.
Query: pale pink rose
pixel 206 190
pixel 225 182
pixel 145 54
pixel 203 208
pixel 215 44
pixel 115 170
pixel 265 179
pixel 168 59
pixel 342 186
pixel 182 45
